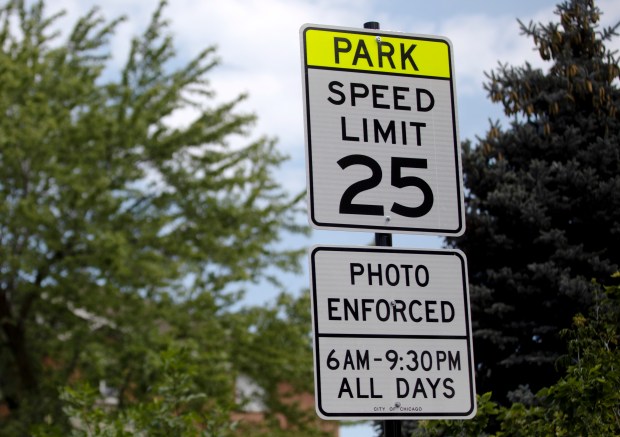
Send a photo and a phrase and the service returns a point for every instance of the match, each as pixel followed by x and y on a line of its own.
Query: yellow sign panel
pixel 377 52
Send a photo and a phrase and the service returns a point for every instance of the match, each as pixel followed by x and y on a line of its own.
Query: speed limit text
pixel 400 98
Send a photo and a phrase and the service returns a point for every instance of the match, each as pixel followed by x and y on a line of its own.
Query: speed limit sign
pixel 382 147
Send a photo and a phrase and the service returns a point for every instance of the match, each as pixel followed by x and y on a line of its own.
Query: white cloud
pixel 258 43
pixel 259 48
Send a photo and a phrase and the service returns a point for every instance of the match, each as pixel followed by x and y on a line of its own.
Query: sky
pixel 259 47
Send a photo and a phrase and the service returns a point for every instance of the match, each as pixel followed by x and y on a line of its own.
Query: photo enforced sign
pixel 392 333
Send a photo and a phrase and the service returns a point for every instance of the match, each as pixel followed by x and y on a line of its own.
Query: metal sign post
pixel 391 428
pixel 391 327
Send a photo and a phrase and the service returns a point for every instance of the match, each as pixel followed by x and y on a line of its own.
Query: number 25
pixel 346 202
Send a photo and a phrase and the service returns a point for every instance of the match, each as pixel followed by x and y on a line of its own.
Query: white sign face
pixel 392 334
pixel 382 147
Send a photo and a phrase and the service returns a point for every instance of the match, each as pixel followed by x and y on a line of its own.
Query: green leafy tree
pixel 179 395
pixel 176 406
pixel 584 402
pixel 123 237
pixel 543 201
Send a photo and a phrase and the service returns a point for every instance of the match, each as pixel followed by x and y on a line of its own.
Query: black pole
pixel 391 428
pixel 380 238
pixel 383 239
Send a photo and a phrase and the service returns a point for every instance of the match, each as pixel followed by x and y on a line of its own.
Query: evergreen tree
pixel 543 200
pixel 122 237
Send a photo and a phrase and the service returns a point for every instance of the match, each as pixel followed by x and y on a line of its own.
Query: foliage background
pixel 126 242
